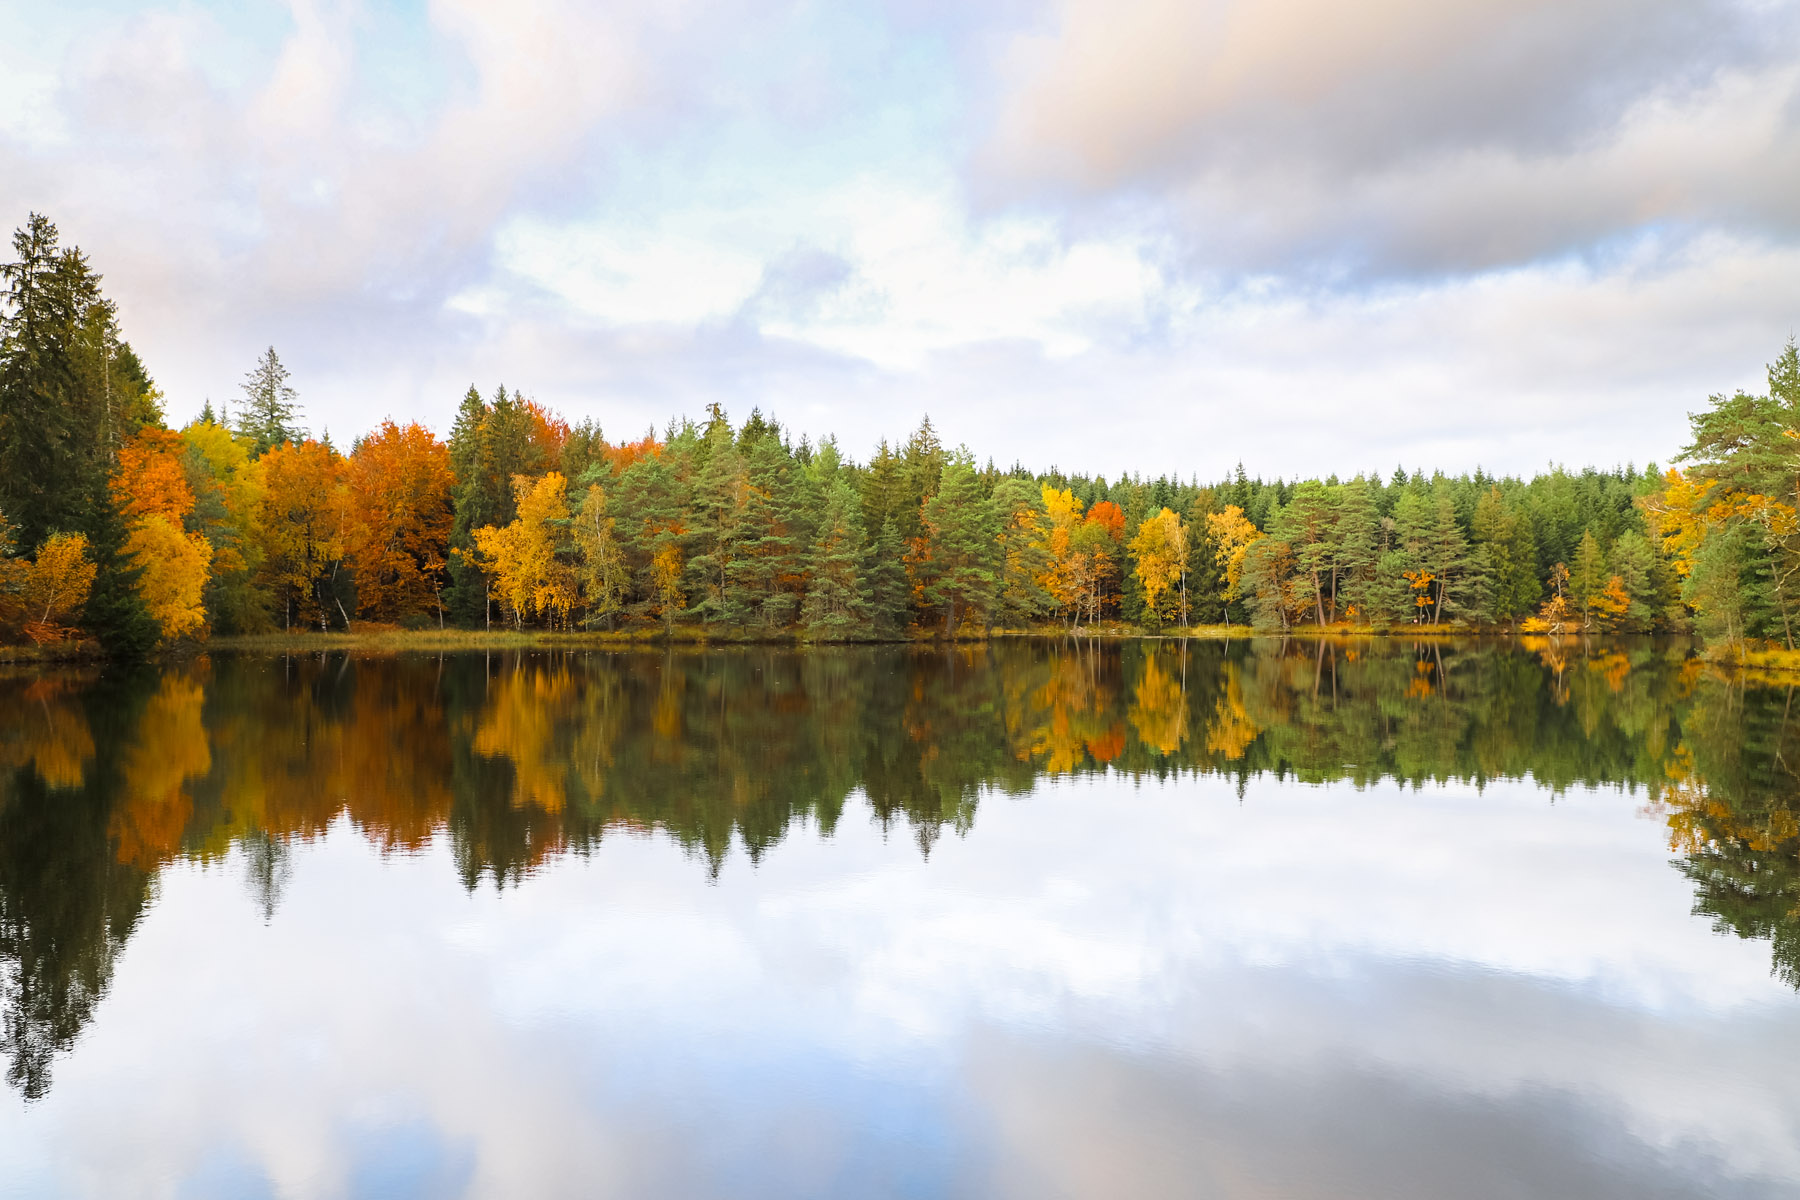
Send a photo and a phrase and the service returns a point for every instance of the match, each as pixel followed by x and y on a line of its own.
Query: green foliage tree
pixel 837 599
pixel 961 532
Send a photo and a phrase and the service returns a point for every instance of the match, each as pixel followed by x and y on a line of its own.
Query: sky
pixel 1156 236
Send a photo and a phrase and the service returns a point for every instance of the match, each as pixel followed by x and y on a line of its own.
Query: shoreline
pixel 394 640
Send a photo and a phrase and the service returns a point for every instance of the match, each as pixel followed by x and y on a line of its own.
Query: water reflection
pixel 523 758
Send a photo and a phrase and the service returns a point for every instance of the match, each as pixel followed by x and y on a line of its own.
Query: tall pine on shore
pixel 71 393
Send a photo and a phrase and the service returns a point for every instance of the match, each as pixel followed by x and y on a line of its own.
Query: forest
pixel 117 528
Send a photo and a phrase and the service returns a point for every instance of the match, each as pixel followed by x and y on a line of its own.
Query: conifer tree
pixel 268 414
pixel 961 534
pixel 837 599
pixel 1356 551
pixel 890 593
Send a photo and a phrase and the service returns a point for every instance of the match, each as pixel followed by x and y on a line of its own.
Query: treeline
pixel 240 522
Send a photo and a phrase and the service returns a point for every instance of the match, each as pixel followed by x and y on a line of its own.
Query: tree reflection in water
pixel 518 759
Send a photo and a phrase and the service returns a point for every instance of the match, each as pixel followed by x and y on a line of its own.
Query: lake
pixel 1356 919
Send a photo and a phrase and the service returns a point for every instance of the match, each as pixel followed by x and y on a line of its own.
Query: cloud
pixel 1310 236
pixel 1407 135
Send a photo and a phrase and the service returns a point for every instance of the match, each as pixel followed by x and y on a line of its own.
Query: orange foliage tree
pixel 151 489
pixel 397 520
pixel 300 527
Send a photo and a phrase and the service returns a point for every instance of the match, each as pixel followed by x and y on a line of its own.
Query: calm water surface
pixel 1033 920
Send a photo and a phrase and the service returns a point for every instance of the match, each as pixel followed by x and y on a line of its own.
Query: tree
pixel 889 589
pixel 489 444
pixel 649 509
pixel 1461 584
pixel 398 521
pixel 1587 576
pixel 1067 575
pixel 171 565
pixel 1160 554
pixel 224 513
pixel 1308 524
pixel 602 575
pixel 837 600
pixel 1356 552
pixel 531 577
pixel 267 417
pixel 961 533
pixel 172 569
pixel 1232 535
pixel 1266 569
pixel 56 587
pixel 766 573
pixel 1023 553
pixel 1632 563
pixel 716 530
pixel 1504 542
pixel 300 528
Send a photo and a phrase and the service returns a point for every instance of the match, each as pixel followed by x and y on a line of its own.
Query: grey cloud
pixel 1407 135
pixel 795 284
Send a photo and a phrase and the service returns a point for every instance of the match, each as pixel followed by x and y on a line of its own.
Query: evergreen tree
pixel 71 393
pixel 1024 556
pixel 961 531
pixel 1587 575
pixel 837 600
pixel 267 417
pixel 890 593
pixel 715 533
pixel 1632 563
pixel 1355 550
pixel 1503 540
pixel 1461 584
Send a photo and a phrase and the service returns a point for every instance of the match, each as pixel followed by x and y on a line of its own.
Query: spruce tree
pixel 715 531
pixel 884 571
pixel 962 534
pixel 837 600
pixel 1355 551
pixel 269 410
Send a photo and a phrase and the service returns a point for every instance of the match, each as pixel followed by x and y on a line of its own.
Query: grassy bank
pixel 388 638
pixel 83 651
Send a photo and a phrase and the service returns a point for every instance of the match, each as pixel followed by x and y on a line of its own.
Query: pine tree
pixel 890 593
pixel 1587 575
pixel 71 393
pixel 1024 555
pixel 1356 551
pixel 1461 584
pixel 715 527
pixel 961 533
pixel 1503 541
pixel 837 600
pixel 267 417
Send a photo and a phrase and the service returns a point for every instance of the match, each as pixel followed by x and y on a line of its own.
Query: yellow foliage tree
pixel 1160 549
pixel 56 587
pixel 530 578
pixel 172 571
pixel 1067 577
pixel 1232 533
